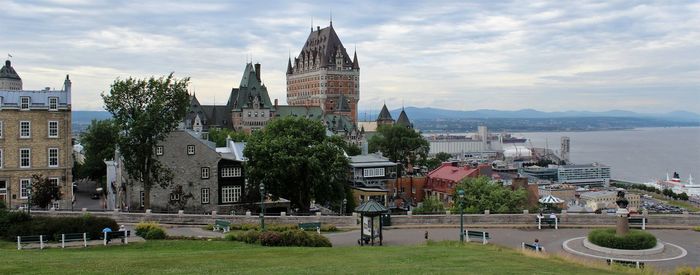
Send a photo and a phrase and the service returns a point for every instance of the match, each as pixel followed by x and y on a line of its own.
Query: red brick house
pixel 441 182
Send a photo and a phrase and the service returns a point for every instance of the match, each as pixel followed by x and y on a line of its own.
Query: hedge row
pixel 286 238
pixel 19 223
pixel 634 240
pixel 278 227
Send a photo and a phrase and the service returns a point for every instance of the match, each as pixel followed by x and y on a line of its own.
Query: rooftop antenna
pixel 331 17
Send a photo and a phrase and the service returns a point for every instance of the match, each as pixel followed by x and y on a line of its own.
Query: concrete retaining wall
pixel 515 220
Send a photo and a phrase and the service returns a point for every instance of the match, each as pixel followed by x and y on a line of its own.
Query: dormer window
pixel 24 102
pixel 53 103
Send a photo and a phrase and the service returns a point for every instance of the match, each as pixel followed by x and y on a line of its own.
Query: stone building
pixel 206 178
pixel 324 75
pixel 35 138
pixel 596 200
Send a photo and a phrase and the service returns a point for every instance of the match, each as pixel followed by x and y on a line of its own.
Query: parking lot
pixel 656 206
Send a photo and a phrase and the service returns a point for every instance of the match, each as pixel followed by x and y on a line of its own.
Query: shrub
pixel 281 227
pixel 634 240
pixel 2 205
pixel 155 233
pixel 150 231
pixel 697 228
pixel 328 228
pixel 209 227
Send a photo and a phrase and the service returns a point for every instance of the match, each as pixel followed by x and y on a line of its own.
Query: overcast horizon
pixel 640 56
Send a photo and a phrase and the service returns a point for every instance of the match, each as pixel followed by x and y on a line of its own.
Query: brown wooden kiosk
pixel 371 210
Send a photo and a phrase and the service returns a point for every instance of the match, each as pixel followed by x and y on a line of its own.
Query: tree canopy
pixel 219 135
pixel 145 111
pixel 99 142
pixel 295 160
pixel 44 192
pixel 483 194
pixel 399 143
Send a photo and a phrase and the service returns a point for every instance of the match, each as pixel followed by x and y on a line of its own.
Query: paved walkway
pixel 551 239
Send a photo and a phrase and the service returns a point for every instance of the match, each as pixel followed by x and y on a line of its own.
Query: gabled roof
pixel 449 172
pixel 8 72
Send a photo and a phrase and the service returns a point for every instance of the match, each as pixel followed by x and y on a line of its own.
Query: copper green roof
pixel 371 207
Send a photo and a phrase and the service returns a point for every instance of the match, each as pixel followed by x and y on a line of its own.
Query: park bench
pixel 24 240
pixel 222 225
pixel 74 237
pixel 483 236
pixel 638 222
pixel 532 247
pixel 116 234
pixel 635 264
pixel 311 226
pixel 549 221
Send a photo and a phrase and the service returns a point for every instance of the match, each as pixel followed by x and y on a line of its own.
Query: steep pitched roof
pixel 355 63
pixel 311 112
pixel 322 44
pixel 8 72
pixel 384 114
pixel 249 89
pixel 403 120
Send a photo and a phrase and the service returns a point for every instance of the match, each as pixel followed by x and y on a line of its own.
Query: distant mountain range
pixel 416 113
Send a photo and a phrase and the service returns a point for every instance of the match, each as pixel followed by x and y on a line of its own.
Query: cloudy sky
pixel 552 56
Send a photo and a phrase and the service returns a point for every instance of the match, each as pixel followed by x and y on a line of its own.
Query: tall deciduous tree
pixel 99 141
pixel 399 143
pixel 483 194
pixel 295 160
pixel 44 191
pixel 145 112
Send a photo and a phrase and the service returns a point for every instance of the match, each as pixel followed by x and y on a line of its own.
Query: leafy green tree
pixel 349 148
pixel 430 205
pixel 44 191
pixel 99 142
pixel 435 161
pixel 145 112
pixel 219 135
pixel 683 196
pixel 482 194
pixel 399 144
pixel 295 160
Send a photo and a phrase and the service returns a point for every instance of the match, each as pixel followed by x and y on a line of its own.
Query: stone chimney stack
pixel 257 71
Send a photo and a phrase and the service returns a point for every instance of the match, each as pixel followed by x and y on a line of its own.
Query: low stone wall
pixel 514 220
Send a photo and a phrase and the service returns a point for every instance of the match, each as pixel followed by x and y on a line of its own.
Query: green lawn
pixel 206 257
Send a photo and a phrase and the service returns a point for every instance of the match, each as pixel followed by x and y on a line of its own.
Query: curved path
pixel 551 239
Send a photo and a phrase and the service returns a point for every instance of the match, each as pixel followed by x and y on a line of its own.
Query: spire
pixel 331 18
pixel 403 119
pixel 289 66
pixel 355 63
pixel 384 114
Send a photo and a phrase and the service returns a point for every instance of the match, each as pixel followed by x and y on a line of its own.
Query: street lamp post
pixel 262 207
pixel 342 210
pixel 461 215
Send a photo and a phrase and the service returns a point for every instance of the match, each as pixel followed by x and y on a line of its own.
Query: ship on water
pixel 677 185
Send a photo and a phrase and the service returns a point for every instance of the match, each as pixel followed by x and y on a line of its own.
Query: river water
pixel 637 155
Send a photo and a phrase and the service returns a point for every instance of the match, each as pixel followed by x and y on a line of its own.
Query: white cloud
pixel 449 54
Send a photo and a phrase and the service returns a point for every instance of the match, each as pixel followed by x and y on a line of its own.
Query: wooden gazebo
pixel 370 209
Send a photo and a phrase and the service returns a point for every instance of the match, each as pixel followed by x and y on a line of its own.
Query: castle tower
pixel 9 79
pixel 324 75
pixel 385 117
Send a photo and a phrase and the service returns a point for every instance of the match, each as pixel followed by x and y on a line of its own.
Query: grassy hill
pixel 207 257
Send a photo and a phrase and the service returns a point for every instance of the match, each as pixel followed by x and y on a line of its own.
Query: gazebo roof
pixel 371 207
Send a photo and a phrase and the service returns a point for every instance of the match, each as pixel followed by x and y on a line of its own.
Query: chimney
pixel 257 71
pixel 275 103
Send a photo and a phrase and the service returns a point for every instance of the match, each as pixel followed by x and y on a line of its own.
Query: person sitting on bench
pixel 106 230
pixel 537 245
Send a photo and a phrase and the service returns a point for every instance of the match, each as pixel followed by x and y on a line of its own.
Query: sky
pixel 640 56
